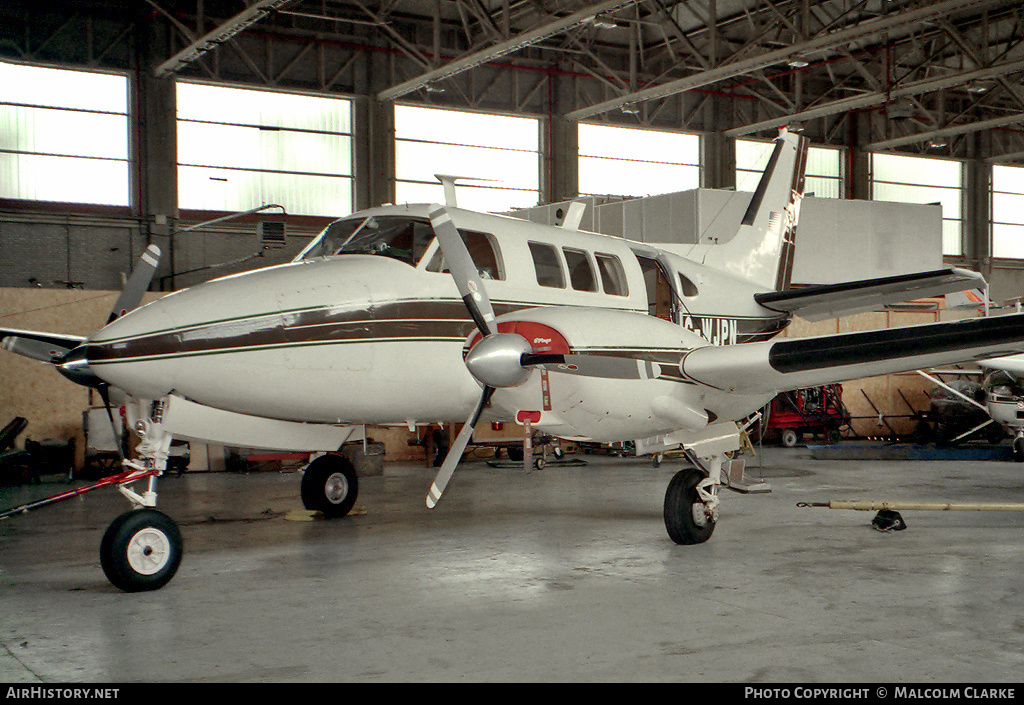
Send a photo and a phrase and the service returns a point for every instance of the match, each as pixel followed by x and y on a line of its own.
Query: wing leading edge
pixel 758 368
pixel 816 303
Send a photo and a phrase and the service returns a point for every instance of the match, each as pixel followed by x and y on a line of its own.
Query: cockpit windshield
pixel 399 237
pixel 1001 384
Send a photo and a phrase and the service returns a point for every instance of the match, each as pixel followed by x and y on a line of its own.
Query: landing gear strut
pixel 691 500
pixel 142 548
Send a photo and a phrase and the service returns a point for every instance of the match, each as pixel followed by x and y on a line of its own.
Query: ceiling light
pixel 599 22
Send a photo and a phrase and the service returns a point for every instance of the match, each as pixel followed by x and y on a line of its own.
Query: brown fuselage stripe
pixel 392 321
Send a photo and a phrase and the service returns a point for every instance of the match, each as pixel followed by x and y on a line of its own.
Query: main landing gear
pixel 691 500
pixel 141 549
pixel 330 486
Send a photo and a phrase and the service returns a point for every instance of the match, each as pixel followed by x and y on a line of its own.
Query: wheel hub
pixel 148 551
pixel 336 488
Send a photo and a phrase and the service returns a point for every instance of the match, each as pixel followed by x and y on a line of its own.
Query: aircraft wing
pixel 816 303
pixel 38 345
pixel 759 368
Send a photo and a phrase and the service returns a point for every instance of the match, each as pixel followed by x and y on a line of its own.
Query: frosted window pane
pixel 1008 208
pixel 36 177
pixel 458 127
pixel 503 149
pixel 752 156
pixel 642 145
pixel 916 170
pixel 240 148
pixel 909 193
pixel 633 178
pixel 44 114
pixel 1007 211
pixel 1008 179
pixel 625 161
pixel 252 148
pixel 821 187
pixel 1008 240
pixel 419 161
pixel 241 106
pixel 48 131
pixel 478 198
pixel 951 237
pixel 203 188
pixel 822 161
pixel 82 90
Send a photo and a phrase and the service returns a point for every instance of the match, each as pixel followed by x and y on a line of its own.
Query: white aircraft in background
pixel 417 314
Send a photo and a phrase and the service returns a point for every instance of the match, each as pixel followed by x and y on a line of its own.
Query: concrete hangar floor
pixel 563 574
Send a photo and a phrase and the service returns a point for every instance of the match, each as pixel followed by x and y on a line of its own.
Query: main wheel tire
pixel 330 486
pixel 141 550
pixel 686 518
pixel 790 437
pixel 1018 449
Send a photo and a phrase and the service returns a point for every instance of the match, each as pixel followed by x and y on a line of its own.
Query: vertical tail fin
pixel 762 249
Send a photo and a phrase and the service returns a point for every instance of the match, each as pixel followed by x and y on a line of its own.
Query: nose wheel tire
pixel 141 550
pixel 330 486
pixel 686 517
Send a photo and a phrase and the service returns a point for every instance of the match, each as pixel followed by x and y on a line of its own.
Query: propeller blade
pixel 43 350
pixel 603 366
pixel 104 390
pixel 138 283
pixel 455 452
pixel 463 270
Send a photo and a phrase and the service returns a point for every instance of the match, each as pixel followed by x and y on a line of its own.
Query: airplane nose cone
pixel 75 366
pixel 497 360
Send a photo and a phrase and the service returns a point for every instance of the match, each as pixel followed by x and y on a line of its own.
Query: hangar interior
pixel 303 111
pixel 230 132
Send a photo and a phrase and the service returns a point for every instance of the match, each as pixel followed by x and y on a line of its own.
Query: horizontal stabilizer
pixel 758 368
pixel 816 303
pixel 38 345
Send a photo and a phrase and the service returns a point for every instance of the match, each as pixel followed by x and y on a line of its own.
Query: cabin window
pixel 547 265
pixel 613 279
pixel 581 274
pixel 688 287
pixel 481 250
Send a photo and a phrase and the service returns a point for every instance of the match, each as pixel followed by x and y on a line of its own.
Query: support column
pixel 718 161
pixel 858 166
pixel 717 152
pixel 559 179
pixel 977 245
pixel 155 143
pixel 374 146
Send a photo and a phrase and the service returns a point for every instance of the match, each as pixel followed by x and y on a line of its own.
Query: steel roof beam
pixel 781 55
pixel 520 41
pixel 244 19
pixel 866 101
pixel 946 132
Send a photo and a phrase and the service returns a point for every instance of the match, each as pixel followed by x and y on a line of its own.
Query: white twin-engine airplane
pixel 420 314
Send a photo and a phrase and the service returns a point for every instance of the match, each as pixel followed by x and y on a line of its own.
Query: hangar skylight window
pixel 242 148
pixel 503 152
pixel 44 114
pixel 906 179
pixel 1008 211
pixel 822 177
pixel 627 161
